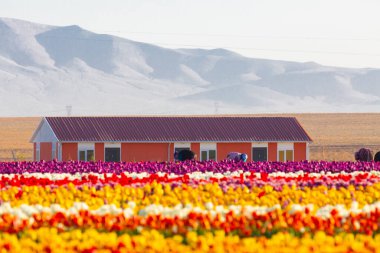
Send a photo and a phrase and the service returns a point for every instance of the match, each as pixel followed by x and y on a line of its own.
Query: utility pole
pixel 68 110
pixel 14 156
pixel 216 107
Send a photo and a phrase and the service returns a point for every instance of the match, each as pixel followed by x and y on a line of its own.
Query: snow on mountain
pixel 45 68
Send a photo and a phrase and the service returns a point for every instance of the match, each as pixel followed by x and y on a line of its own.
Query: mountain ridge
pixel 45 68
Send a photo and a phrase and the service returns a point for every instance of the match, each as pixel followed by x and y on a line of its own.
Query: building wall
pixel 99 151
pixel 159 151
pixel 272 151
pixel 224 148
pixel 45 151
pixel 69 151
pixel 136 152
pixel 196 148
pixel 299 151
pixel 172 152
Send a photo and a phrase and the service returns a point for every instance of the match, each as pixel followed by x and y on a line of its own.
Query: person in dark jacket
pixel 364 155
pixel 377 157
pixel 184 155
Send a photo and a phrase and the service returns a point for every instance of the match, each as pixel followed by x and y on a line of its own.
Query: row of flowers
pixel 201 195
pixel 186 167
pixel 194 175
pixel 245 221
pixel 92 240
pixel 277 180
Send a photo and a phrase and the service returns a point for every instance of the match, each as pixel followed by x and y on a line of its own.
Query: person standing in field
pixel 364 155
pixel 236 156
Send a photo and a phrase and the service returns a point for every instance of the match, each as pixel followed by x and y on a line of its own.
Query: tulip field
pixel 190 207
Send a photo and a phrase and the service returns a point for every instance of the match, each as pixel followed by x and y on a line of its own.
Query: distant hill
pixel 44 68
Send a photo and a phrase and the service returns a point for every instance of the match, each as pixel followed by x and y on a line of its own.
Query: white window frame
pixel 182 145
pixel 259 145
pixel 207 147
pixel 85 146
pixel 284 147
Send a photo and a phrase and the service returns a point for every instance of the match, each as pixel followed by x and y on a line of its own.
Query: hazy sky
pixel 330 32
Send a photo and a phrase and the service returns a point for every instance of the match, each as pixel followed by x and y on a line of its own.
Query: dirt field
pixel 15 134
pixel 335 136
pixel 338 136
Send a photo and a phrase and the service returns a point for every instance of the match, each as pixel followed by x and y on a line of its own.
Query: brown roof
pixel 177 129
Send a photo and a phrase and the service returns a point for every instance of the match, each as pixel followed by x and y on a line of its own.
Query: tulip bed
pixel 190 206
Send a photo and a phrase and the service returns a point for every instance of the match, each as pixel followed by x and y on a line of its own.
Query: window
pixel 285 152
pixel 212 155
pixel 259 154
pixel 289 155
pixel 82 155
pixel 208 151
pixel 86 155
pixel 208 155
pixel 285 155
pixel 90 155
pixel 86 152
pixel 204 155
pixel 112 154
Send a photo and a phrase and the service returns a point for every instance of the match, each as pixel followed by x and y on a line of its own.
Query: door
pixel 112 154
pixel 259 154
pixel 177 150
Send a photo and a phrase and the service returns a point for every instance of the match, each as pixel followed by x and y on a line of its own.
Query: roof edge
pixel 43 120
pixel 310 139
pixel 177 116
pixel 51 129
pixel 37 130
pixel 170 141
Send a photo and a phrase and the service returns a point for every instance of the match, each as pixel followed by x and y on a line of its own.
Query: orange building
pixel 157 138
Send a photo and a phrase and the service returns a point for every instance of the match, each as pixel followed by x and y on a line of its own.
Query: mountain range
pixel 46 70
